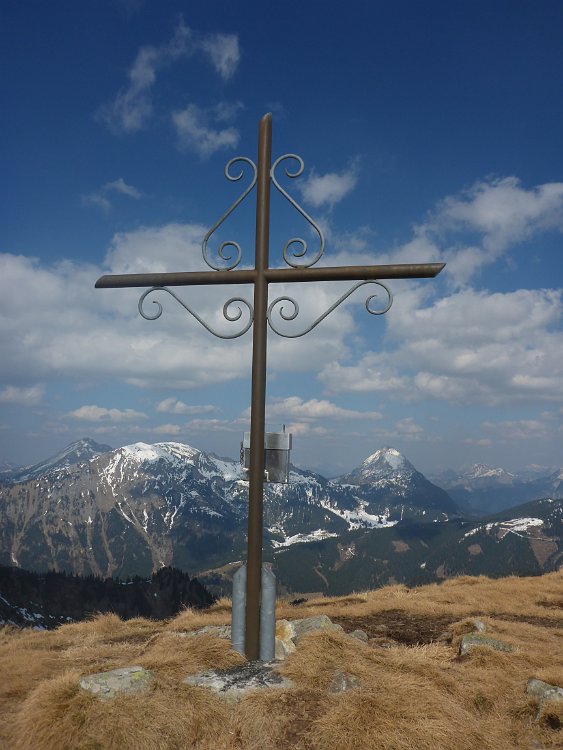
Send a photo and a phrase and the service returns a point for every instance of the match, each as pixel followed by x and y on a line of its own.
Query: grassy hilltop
pixel 415 691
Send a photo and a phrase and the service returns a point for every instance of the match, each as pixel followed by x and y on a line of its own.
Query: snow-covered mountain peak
pixel 385 465
pixel 178 450
pixel 80 450
pixel 386 455
pixel 82 445
pixel 146 453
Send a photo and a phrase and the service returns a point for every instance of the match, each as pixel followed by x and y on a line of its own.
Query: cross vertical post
pixel 258 398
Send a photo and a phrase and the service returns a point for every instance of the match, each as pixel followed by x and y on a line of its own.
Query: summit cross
pixel 299 270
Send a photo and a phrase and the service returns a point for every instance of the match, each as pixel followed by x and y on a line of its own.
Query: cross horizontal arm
pixel 272 275
pixel 179 278
pixel 355 273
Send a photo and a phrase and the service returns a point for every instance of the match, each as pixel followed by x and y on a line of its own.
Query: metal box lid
pixel 273 441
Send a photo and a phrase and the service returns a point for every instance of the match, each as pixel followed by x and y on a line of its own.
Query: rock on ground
pixel 106 685
pixel 472 640
pixel 543 691
pixel 359 635
pixel 308 624
pixel 342 681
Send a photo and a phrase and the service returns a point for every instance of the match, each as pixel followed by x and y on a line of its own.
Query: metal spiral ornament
pixel 225 249
pixel 231 316
pixel 297 258
pixel 294 311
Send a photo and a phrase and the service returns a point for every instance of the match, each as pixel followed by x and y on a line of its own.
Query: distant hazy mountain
pixel 483 489
pixel 131 510
pixel 81 450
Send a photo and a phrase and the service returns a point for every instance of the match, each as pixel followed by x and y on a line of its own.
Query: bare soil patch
pixel 398 625
pixel 542 622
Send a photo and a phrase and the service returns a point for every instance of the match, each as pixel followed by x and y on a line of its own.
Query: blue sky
pixel 430 131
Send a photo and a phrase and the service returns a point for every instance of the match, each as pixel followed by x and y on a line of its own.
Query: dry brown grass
pixel 409 697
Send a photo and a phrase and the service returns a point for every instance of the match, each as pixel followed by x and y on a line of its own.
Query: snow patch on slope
pixel 515 525
pixel 359 518
pixel 313 536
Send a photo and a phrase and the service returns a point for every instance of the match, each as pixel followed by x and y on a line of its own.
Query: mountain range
pixel 92 510
pixel 484 489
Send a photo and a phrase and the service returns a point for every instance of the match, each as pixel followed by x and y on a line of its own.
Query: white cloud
pixel 96 199
pixel 301 429
pixel 100 197
pixel 503 211
pixel 520 429
pixel 195 132
pixel 330 188
pixel 448 388
pixel 227 111
pixel 120 186
pixel 468 231
pixel 168 429
pixel 483 442
pixel 295 407
pixel 407 427
pixel 132 106
pixel 101 414
pixel 499 213
pixel 175 406
pixel 156 249
pixel 31 396
pixel 357 242
pixel 210 425
pixel 223 51
pixel 369 375
pixel 469 347
pixel 464 263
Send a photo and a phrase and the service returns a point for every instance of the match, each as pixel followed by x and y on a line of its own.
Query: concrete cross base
pixel 235 683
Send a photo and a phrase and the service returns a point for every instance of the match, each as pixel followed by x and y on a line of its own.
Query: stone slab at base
pixel 235 683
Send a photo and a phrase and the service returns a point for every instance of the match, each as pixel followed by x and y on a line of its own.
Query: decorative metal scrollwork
pixel 295 309
pixel 229 262
pixel 232 317
pixel 301 261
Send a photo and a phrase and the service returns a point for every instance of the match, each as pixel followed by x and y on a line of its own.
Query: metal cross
pixel 261 315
